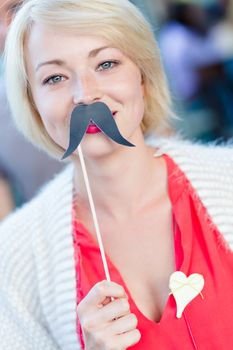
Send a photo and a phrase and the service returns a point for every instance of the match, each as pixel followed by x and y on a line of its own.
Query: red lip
pixel 93 129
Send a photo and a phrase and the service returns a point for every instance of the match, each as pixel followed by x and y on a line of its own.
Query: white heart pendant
pixel 185 289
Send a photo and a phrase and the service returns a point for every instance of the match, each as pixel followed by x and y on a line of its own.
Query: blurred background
pixel 196 42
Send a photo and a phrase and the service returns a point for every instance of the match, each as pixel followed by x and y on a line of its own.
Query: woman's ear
pixel 142 79
pixel 142 85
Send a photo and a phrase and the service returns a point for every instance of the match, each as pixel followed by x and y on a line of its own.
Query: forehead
pixel 46 38
pixel 44 43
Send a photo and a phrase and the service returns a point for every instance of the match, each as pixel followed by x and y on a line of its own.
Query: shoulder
pixel 209 168
pixel 209 163
pixel 198 157
pixel 19 229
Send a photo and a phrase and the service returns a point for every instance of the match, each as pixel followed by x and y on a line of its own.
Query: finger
pixel 123 341
pixel 128 339
pixel 123 324
pixel 98 294
pixel 107 301
pixel 114 310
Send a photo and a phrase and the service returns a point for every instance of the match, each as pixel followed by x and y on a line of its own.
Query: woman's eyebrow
pixel 95 52
pixel 59 62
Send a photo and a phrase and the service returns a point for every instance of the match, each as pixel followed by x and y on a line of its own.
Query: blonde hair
pixel 119 22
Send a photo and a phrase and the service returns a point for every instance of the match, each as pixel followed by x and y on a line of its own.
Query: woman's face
pixel 67 69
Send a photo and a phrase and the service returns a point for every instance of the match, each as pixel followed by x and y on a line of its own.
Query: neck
pixel 119 182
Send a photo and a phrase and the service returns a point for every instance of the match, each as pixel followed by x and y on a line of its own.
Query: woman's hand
pixel 105 318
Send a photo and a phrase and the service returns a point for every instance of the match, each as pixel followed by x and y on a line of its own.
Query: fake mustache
pixel 96 113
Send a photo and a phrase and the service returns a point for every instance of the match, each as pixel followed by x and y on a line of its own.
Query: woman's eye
pixel 53 80
pixel 107 65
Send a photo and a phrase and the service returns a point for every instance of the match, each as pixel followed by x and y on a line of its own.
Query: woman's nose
pixel 87 90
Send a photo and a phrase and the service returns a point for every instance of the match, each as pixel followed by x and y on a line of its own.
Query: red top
pixel 199 248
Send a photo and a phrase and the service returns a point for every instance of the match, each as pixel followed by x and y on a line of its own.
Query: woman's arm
pixel 6 198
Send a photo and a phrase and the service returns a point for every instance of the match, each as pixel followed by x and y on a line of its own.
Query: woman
pixel 170 201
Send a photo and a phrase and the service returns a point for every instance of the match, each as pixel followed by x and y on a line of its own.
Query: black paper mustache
pixel 99 114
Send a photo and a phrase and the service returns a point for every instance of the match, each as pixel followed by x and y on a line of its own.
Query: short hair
pixel 120 23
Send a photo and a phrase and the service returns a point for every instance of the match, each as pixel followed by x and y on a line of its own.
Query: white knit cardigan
pixel 37 271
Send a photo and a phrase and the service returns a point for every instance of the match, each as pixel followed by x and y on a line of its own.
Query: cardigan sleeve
pixel 19 329
pixel 22 325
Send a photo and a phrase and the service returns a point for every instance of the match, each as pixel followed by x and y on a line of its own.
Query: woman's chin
pixel 96 146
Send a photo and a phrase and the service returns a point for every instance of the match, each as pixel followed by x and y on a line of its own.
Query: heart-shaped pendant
pixel 185 289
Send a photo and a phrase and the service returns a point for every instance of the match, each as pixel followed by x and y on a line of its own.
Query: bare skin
pixel 144 240
pixel 7 202
pixel 107 324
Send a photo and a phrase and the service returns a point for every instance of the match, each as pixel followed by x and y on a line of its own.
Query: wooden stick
pixel 93 212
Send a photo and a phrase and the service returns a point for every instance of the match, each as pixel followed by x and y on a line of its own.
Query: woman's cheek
pixel 57 128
